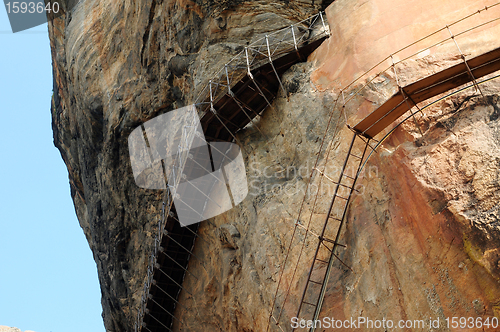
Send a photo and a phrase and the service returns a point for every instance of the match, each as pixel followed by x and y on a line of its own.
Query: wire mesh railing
pixel 262 51
pixel 175 174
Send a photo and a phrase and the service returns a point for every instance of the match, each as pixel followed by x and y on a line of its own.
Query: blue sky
pixel 48 279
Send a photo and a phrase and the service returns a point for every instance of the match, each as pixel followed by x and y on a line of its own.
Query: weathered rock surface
pixel 422 238
pixel 116 65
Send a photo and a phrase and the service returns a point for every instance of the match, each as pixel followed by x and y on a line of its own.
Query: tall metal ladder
pixel 316 289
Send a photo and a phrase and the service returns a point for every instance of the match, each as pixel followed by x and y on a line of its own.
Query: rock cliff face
pixel 422 239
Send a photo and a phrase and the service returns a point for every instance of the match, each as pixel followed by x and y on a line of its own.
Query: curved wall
pixel 366 32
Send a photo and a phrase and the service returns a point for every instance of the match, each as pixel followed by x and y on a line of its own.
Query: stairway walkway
pixel 238 93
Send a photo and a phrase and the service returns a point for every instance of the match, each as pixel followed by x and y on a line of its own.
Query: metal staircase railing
pixel 328 241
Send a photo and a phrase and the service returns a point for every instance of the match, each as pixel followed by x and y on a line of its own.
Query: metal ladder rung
pixel 314 305
pixel 355 156
pixel 345 186
pixel 347 176
pixel 337 183
pixel 331 241
pixel 342 197
pixel 315 282
pixel 335 218
pixel 322 261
